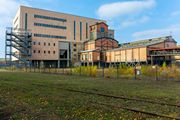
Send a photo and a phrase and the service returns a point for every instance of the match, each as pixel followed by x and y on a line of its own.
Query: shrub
pixel 86 70
pixel 164 65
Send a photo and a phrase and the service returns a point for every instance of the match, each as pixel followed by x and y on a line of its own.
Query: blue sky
pixel 131 19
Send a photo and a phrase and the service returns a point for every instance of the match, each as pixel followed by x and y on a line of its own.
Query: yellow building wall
pixel 127 55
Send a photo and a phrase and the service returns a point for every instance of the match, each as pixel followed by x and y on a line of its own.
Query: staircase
pixel 18 47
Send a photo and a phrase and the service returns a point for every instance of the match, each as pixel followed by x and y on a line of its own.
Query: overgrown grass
pixel 162 72
pixel 39 96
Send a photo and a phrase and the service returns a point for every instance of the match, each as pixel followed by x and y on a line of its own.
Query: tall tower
pixel 98 30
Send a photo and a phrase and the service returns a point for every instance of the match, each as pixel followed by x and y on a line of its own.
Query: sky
pixel 131 19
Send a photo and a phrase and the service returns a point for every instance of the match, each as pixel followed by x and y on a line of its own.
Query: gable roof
pixel 99 23
pixel 147 42
pixel 144 43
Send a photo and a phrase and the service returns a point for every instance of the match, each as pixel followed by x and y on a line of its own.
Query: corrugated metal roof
pixel 147 42
pixel 143 43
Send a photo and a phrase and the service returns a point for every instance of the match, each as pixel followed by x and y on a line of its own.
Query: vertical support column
pixel 59 64
pixel 6 47
pixel 88 63
pixel 11 48
pixel 99 64
pixel 152 60
pixel 68 63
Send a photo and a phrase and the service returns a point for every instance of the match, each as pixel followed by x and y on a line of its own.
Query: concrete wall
pixel 68 32
pixel 92 56
pixel 89 45
pixel 106 43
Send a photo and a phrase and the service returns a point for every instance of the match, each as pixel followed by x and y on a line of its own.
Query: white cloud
pixel 175 13
pixel 128 23
pixel 173 30
pixel 8 10
pixel 111 10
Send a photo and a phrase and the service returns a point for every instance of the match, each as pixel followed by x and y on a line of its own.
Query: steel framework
pixel 18 47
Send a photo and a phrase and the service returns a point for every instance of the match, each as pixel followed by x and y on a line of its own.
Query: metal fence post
pixel 103 71
pixel 80 70
pixel 156 72
pixel 117 71
pixel 135 73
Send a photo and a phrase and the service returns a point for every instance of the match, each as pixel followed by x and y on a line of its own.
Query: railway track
pixel 128 108
pixel 138 111
pixel 122 97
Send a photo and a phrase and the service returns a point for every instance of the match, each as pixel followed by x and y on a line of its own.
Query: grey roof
pixel 147 42
pixel 143 43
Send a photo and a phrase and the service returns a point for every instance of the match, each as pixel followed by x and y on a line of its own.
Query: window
pixel 54 44
pixel 110 35
pixel 49 44
pixel 34 43
pixel 74 45
pixel 44 44
pixel 39 51
pixel 54 52
pixel 90 56
pixel 44 52
pixel 49 52
pixel 74 30
pixel 39 43
pixel 49 18
pixel 49 26
pixel 34 51
pixel 86 57
pixel 49 36
pixel 80 30
pixel 102 29
pixel 26 21
pixel 63 54
pixel 74 50
pixel 86 30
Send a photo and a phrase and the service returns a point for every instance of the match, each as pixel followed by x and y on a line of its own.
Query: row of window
pixel 49 52
pixel 81 25
pixel 49 36
pixel 26 21
pixel 86 57
pixel 80 30
pixel 49 18
pixel 39 43
pixel 49 26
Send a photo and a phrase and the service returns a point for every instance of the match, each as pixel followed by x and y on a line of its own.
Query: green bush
pixel 86 70
pixel 148 70
pixel 113 72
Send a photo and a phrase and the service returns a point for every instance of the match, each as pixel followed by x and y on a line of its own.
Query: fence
pixel 135 73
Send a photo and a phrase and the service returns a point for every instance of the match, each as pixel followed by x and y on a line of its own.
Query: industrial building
pixel 101 40
pixel 52 39
pixel 105 50
pixel 144 51
pixel 56 38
